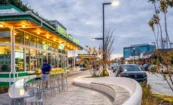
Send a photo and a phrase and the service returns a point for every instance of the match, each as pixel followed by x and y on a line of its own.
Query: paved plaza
pixel 78 95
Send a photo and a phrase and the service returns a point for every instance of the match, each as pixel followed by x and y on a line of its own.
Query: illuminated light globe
pixel 115 3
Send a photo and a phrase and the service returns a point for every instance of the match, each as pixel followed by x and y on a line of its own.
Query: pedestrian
pixel 45 72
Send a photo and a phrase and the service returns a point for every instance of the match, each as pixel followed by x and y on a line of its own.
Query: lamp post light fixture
pixel 97 38
pixel 114 3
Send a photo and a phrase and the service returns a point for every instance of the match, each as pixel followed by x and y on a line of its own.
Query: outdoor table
pixel 17 92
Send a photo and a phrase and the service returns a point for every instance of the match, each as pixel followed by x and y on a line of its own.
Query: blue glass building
pixel 136 50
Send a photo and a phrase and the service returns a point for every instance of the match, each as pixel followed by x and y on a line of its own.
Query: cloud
pixel 83 19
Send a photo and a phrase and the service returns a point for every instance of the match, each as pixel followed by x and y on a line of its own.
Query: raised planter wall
pixel 130 85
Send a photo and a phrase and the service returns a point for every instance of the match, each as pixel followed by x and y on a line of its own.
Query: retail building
pixel 27 39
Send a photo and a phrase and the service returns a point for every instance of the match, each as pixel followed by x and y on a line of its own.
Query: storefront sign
pixel 70 37
pixel 62 31
pixel 61 46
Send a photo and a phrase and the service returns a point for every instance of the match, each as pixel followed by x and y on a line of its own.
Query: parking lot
pixel 158 84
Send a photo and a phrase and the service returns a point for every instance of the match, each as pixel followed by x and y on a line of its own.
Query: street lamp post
pixel 114 3
pixel 103 11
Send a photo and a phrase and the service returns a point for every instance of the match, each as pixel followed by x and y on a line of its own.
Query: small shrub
pixel 148 98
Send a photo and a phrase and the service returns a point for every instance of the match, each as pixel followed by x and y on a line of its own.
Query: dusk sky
pixel 83 19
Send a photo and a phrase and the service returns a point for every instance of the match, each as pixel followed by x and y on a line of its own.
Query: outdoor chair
pixel 36 99
pixel 57 83
pixel 64 83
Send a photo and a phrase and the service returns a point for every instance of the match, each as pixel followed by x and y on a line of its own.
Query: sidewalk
pixel 77 95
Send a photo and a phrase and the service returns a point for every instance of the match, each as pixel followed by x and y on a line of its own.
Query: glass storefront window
pixel 56 61
pixel 33 41
pixel 44 56
pixel 49 58
pixel 5 59
pixel 27 39
pixel 53 60
pixel 19 37
pixel 39 59
pixel 60 61
pixel 19 58
pixel 33 60
pixel 63 61
pixel 39 43
pixel 54 47
pixel 27 51
pixel 49 46
pixel 5 35
pixel 45 45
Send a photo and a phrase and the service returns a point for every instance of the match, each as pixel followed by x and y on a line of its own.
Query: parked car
pixel 114 66
pixel 152 68
pixel 145 67
pixel 131 71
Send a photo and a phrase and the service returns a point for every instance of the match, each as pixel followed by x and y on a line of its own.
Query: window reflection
pixel 45 46
pixel 5 59
pixel 53 60
pixel 33 60
pixel 27 39
pixel 19 58
pixel 27 51
pixel 39 43
pixel 39 59
pixel 33 41
pixel 56 61
pixel 5 35
pixel 19 37
pixel 60 61
pixel 49 58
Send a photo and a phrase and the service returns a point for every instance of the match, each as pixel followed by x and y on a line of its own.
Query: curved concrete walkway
pixel 79 95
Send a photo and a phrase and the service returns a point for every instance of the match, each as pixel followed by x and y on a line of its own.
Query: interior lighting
pixel 47 36
pixel 1 25
pixel 54 39
pixel 27 37
pixel 38 32
pixel 23 26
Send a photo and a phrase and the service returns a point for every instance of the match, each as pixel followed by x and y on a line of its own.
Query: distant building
pixel 135 51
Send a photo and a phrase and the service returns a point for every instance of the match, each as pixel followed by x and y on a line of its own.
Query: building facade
pixel 26 40
pixel 136 50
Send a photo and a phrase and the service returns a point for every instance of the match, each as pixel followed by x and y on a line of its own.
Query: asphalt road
pixel 158 84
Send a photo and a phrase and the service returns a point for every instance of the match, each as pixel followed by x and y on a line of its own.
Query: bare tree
pixel 109 41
